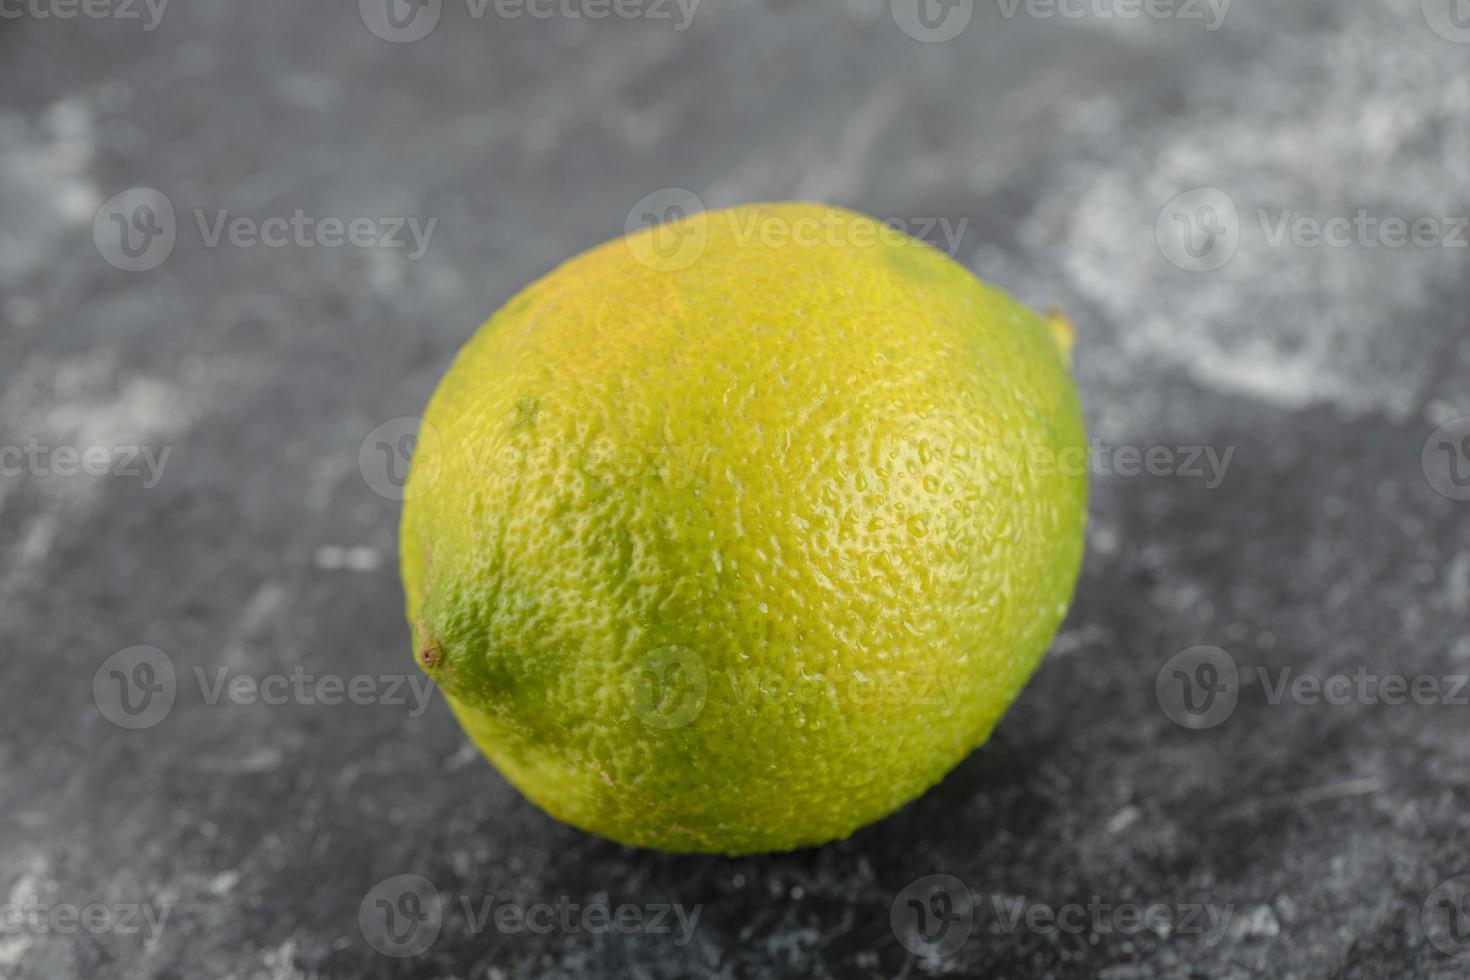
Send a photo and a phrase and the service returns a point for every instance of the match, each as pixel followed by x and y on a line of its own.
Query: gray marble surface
pixel 185 501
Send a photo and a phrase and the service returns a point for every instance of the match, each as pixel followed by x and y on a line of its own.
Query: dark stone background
pixel 1323 829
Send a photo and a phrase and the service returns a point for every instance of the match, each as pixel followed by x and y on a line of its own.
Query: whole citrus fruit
pixel 738 533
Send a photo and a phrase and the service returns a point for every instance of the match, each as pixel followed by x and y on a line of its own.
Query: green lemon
pixel 738 533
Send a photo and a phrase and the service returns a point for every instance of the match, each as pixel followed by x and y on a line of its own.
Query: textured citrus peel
pixel 709 537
